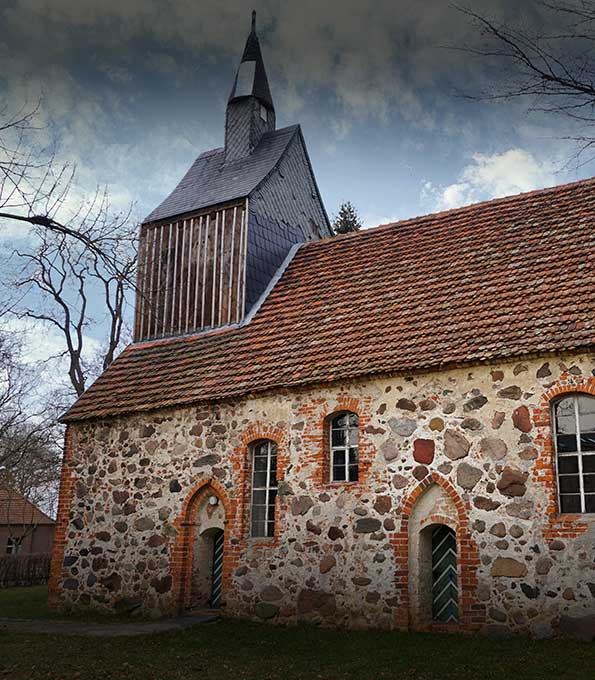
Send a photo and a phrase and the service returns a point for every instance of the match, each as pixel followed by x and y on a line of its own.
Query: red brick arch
pixel 544 470
pixel 181 550
pixel 315 438
pixel 472 611
pixel 242 464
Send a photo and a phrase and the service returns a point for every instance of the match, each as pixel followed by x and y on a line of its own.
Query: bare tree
pixel 29 439
pixel 64 276
pixel 553 68
pixel 37 190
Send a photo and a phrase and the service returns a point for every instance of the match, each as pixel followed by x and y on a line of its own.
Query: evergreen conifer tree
pixel 347 219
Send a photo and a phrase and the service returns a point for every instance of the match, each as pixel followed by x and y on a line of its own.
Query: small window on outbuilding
pixel 14 545
pixel 343 434
pixel 574 433
pixel 264 113
pixel 264 488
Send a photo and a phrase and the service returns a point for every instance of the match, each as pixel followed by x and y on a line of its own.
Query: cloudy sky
pixel 133 90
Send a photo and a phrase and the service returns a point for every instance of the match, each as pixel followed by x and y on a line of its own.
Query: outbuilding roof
pixel 211 181
pixel 495 280
pixel 17 511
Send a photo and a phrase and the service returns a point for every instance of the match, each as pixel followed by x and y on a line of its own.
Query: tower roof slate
pixel 210 180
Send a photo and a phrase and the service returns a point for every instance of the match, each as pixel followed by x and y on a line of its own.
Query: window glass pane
pixel 338 438
pixel 566 443
pixel 586 413
pixel 590 503
pixel 570 503
pixel 259 497
pixel 353 420
pixel 567 464
pixel 353 473
pixel 565 418
pixel 261 449
pixel 339 457
pixel 260 479
pixel 260 463
pixel 352 456
pixel 588 463
pixel 270 528
pixel 353 435
pixel 589 483
pixel 340 421
pixel 339 473
pixel 271 513
pixel 587 441
pixel 257 529
pixel 273 479
pixel 569 484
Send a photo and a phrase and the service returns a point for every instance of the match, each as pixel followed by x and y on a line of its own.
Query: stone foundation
pixel 470 448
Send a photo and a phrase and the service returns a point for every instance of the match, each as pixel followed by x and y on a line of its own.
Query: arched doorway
pixel 206 552
pixel 433 566
pixel 445 589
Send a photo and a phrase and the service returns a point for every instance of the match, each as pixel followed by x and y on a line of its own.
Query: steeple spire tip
pixel 253 21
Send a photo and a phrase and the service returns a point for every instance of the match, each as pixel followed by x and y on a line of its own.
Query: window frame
pixel 269 486
pixel 577 453
pixel 346 447
pixel 14 545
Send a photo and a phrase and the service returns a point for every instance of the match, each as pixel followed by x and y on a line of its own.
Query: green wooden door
pixel 445 595
pixel 217 569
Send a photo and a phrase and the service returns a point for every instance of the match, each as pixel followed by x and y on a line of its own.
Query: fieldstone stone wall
pixel 341 551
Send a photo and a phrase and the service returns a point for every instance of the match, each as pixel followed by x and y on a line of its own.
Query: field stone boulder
pixel 271 593
pixel 300 505
pixel 316 601
pixel 468 476
pixel 423 450
pixel 471 424
pixel 456 445
pixel 493 447
pixel 578 627
pixel 327 563
pixel 389 450
pixel 112 582
pixel 521 419
pixel 266 610
pixel 406 404
pixel 404 427
pixel 512 482
pixel 475 403
pixel 367 525
pixel 508 567
pixel 512 392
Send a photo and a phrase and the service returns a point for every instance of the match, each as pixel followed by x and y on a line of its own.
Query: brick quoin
pixel 67 480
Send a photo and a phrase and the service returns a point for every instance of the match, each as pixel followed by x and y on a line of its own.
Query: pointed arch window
pixel 574 433
pixel 264 488
pixel 344 433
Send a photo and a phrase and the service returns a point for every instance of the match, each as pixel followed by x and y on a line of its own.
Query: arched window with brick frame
pixel 264 488
pixel 343 433
pixel 574 436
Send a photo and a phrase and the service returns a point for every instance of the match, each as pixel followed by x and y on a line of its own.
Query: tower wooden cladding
pixel 192 272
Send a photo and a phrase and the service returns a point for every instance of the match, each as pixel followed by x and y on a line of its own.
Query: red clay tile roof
pixel 504 278
pixel 16 510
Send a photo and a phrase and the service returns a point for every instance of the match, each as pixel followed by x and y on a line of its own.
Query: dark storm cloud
pixel 134 89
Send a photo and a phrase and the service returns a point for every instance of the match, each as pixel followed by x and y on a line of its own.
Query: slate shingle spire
pixel 250 111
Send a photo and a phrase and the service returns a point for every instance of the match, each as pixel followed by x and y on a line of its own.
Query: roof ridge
pixel 511 198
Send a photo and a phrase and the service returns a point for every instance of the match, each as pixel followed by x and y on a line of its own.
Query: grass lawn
pixel 238 650
pixel 24 603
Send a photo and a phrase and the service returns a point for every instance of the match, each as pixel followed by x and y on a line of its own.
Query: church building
pixel 393 428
